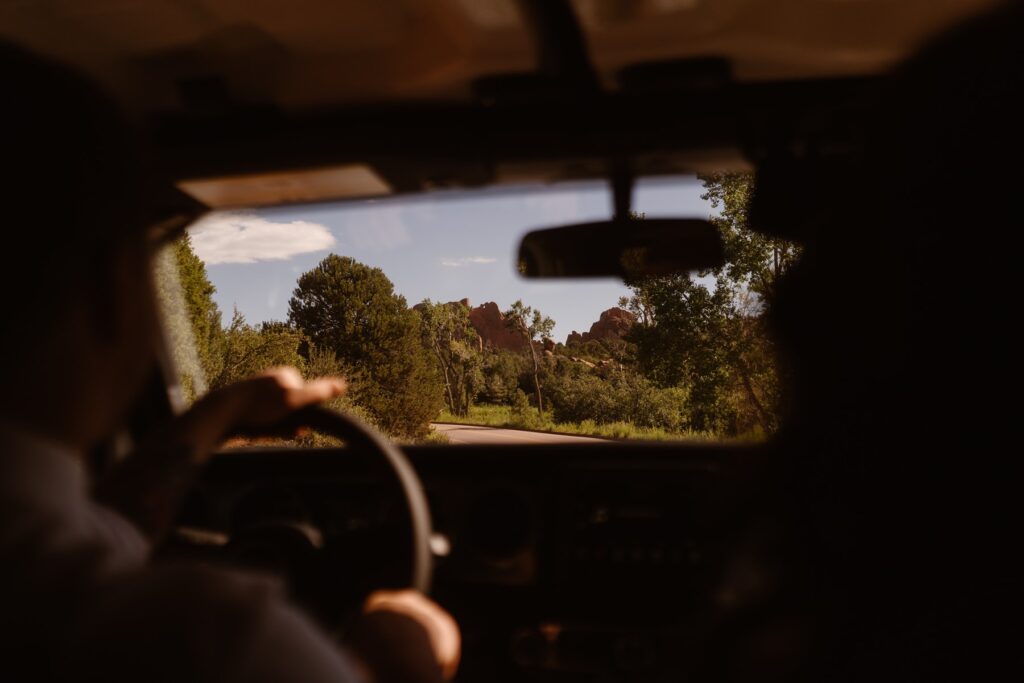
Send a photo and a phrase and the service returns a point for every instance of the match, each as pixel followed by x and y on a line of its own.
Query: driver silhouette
pixel 81 601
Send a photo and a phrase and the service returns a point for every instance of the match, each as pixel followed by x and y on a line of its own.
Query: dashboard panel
pixel 556 560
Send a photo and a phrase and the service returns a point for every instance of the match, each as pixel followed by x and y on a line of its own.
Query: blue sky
pixel 442 246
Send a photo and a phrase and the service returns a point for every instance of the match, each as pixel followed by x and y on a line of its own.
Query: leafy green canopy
pixel 249 350
pixel 754 261
pixel 192 320
pixel 531 325
pixel 713 340
pixel 352 309
pixel 456 347
pixel 502 372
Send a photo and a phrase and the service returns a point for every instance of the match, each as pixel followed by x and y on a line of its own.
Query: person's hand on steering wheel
pixel 401 635
pixel 254 405
pixel 149 485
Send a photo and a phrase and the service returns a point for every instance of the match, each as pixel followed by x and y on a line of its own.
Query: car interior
pixel 561 562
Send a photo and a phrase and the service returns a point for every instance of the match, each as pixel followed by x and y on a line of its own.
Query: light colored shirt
pixel 79 601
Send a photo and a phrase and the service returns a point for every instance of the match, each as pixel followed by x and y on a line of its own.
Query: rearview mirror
pixel 621 248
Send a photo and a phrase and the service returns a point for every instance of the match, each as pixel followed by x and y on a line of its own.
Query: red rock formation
pixel 613 324
pixel 490 324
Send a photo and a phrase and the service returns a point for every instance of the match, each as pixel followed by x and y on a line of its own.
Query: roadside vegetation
pixel 697 362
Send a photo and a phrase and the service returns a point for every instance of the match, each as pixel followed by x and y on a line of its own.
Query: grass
pixel 432 439
pixel 504 416
pixel 318 440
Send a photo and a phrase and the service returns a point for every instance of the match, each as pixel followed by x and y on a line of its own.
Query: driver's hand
pixel 268 398
pixel 404 637
pixel 253 405
pixel 148 487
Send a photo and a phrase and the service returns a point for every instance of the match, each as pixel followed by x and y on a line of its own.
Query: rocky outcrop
pixel 494 332
pixel 614 323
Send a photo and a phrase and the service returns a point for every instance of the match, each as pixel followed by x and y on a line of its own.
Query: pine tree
pixel 353 310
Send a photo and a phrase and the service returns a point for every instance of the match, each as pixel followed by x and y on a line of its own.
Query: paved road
pixel 474 434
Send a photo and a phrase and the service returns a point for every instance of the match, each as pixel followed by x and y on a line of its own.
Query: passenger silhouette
pixel 892 492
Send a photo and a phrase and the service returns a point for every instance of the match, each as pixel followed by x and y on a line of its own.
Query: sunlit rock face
pixel 614 323
pixel 494 332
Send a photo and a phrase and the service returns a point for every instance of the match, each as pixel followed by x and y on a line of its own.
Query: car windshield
pixel 417 302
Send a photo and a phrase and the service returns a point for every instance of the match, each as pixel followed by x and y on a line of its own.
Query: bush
pixel 345 405
pixel 646 405
pixel 249 350
pixel 575 398
pixel 501 371
pixel 323 362
pixel 524 414
pixel 625 397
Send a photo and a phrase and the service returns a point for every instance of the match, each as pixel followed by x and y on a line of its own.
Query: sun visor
pixel 351 181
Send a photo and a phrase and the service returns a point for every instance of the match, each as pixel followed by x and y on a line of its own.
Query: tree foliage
pixel 202 310
pixel 532 326
pixel 192 320
pixel 501 372
pixel 450 337
pixel 708 333
pixel 251 350
pixel 754 261
pixel 580 394
pixel 353 310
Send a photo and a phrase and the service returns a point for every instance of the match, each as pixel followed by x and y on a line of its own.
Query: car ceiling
pixel 170 61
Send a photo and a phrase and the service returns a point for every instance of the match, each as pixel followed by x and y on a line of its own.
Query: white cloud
pixel 467 261
pixel 248 238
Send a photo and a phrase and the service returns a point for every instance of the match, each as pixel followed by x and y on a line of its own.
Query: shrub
pixel 580 397
pixel 501 371
pixel 625 397
pixel 524 414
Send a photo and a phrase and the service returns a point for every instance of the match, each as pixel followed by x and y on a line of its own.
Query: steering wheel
pixel 356 434
pixel 294 548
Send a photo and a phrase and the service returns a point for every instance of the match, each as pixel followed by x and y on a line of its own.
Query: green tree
pixel 753 261
pixel 352 309
pixel 755 264
pixel 684 338
pixel 192 320
pixel 202 310
pixel 712 339
pixel 501 370
pixel 322 362
pixel 531 326
pixel 251 350
pixel 450 336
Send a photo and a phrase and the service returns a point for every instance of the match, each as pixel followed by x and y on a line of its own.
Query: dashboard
pixel 564 562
